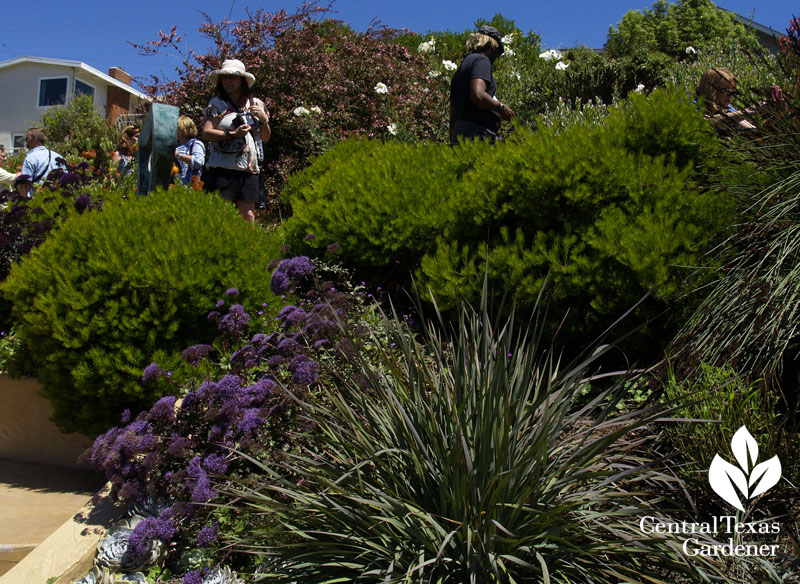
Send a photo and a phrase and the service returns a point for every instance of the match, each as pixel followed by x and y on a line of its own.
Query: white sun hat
pixel 232 67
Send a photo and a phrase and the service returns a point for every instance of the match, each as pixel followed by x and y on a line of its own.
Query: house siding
pixel 19 94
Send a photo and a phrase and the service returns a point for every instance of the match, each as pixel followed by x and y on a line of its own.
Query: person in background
pixel 474 110
pixel 38 163
pixel 126 149
pixel 6 178
pixel 190 153
pixel 235 124
pixel 716 89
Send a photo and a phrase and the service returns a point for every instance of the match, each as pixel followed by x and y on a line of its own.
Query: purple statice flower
pixel 213 315
pixel 245 354
pixel 83 165
pixel 284 248
pixel 333 248
pixel 207 535
pixel 235 321
pixel 192 577
pixel 215 464
pixel 287 346
pixel 250 422
pixel 276 361
pixel 286 311
pixel 295 317
pixel 264 386
pixel 232 292
pixel 178 445
pixel 310 237
pixel 202 492
pixel 279 282
pixel 126 417
pixel 152 372
pixel 321 343
pixel 220 304
pixel 196 353
pixel 288 270
pixel 68 178
pixel 304 370
pixel 273 263
pixel 82 203
pixel 148 530
pixel 198 482
pixel 163 411
pixel 297 267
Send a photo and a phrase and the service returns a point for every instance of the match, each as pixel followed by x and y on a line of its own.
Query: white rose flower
pixel 316 109
pixel 551 55
pixel 381 88
pixel 639 88
pixel 434 74
pixel 301 111
pixel 392 129
pixel 690 51
pixel 508 39
pixel 427 46
pixel 561 65
pixel 449 65
pixel 508 52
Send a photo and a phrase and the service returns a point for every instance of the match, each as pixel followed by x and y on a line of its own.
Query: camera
pixel 237 121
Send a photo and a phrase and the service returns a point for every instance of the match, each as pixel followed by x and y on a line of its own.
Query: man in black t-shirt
pixel 474 111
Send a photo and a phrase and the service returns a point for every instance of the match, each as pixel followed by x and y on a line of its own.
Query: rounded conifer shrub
pixel 113 291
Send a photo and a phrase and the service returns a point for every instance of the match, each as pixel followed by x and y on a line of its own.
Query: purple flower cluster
pixel 182 449
pixel 207 535
pixel 23 224
pixel 235 321
pixel 150 529
pixel 195 354
pixel 290 271
pixel 152 373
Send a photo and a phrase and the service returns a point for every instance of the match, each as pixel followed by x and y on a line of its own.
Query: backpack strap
pixel 39 176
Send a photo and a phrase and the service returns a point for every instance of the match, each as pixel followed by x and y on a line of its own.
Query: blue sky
pixel 96 33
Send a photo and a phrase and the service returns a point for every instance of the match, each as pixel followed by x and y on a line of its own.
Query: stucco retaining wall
pixel 26 432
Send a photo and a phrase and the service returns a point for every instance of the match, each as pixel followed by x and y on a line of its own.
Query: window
pixel 82 88
pixel 52 91
pixel 18 142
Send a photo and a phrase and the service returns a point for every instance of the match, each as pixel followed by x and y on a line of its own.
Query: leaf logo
pixel 749 479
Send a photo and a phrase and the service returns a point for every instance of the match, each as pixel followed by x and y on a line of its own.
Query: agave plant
pixel 465 458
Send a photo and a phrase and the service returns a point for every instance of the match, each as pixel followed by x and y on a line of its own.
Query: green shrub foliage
pixel 606 212
pixel 112 291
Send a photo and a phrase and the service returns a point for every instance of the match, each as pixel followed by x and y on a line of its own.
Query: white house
pixel 31 85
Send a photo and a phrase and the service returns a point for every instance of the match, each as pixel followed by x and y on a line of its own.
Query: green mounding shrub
pixel 465 458
pixel 606 212
pixel 113 291
pixel 381 202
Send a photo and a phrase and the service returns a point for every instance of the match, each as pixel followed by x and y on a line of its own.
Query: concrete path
pixel 35 500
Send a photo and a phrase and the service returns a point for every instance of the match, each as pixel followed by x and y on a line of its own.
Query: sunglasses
pixel 726 90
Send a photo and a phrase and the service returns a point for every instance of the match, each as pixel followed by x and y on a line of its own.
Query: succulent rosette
pixel 106 576
pixel 114 550
pixel 222 575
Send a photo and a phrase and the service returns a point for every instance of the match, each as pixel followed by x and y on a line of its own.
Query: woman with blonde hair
pixel 475 113
pixel 716 89
pixel 190 153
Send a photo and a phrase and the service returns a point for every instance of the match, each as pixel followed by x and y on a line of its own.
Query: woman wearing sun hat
pixel 235 124
pixel 475 112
